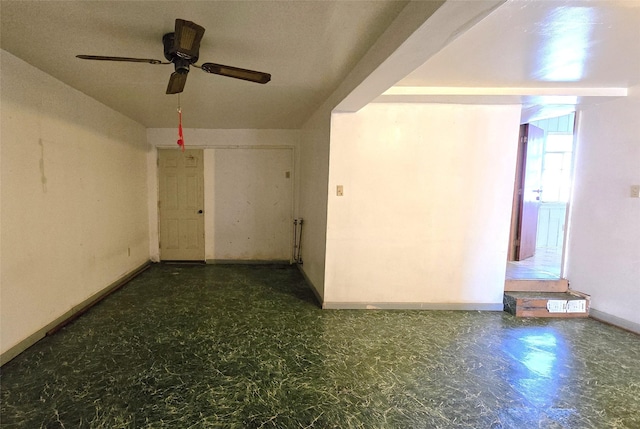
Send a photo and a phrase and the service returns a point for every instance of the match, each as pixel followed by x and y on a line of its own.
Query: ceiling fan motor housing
pixel 173 55
pixel 181 65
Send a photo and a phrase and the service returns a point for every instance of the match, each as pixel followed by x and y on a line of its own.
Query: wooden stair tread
pixel 547 304
pixel 536 285
pixel 544 295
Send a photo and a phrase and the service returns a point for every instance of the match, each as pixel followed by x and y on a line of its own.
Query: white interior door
pixel 181 205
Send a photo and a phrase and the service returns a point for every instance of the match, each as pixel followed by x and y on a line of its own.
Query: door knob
pixel 199 211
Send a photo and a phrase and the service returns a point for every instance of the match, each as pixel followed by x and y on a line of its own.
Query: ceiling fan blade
pixel 176 82
pixel 126 59
pixel 238 73
pixel 187 38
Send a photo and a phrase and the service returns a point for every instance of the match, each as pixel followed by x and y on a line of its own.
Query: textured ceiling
pixel 307 46
pixel 549 55
pixel 569 43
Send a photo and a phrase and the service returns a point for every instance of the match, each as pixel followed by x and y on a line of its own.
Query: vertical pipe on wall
pixel 297 240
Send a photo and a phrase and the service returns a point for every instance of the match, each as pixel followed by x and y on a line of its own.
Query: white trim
pixel 601 316
pixel 462 306
pixel 71 314
pixel 248 262
pixel 550 91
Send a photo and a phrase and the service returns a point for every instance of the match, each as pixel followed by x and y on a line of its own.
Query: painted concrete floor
pixel 248 347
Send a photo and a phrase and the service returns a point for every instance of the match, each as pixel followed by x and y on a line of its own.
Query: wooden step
pixel 568 304
pixel 538 285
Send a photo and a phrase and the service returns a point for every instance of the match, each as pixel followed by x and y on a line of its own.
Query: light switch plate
pixel 339 190
pixel 635 191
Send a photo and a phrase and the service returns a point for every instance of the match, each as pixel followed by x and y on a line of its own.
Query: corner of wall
pixel 152 202
pixel 602 250
pixel 313 172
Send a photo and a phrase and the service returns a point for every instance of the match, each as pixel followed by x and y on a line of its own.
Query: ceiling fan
pixel 181 48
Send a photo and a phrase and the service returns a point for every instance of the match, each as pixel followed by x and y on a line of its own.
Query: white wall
pixel 604 238
pixel 313 171
pixel 406 43
pixel 427 201
pixel 264 147
pixel 251 218
pixel 73 191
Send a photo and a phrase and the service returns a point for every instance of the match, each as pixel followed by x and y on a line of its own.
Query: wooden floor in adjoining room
pixel 543 265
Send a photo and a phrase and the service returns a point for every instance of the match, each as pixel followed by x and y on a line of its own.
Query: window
pixel 556 168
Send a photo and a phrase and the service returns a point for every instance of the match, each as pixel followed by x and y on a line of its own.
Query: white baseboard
pixel 70 315
pixel 412 306
pixel 247 262
pixel 614 320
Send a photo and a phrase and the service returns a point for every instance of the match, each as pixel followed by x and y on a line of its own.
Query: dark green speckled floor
pixel 248 347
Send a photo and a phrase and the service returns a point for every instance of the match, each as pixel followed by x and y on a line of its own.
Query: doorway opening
pixel 541 198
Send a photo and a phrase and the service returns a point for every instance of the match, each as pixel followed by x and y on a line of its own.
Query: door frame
pixel 158 256
pixel 154 186
pixel 519 203
pixel 569 210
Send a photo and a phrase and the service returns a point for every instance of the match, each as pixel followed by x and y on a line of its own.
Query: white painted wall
pixel 313 171
pixel 427 200
pixel 604 237
pixel 205 138
pixel 406 43
pixel 269 150
pixel 252 213
pixel 73 192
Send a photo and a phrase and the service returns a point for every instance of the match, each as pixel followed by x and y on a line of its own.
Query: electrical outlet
pixel 339 190
pixel 635 191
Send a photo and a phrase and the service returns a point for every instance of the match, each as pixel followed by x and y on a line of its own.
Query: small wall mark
pixel 43 177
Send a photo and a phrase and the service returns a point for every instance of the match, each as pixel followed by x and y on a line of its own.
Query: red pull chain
pixel 180 135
